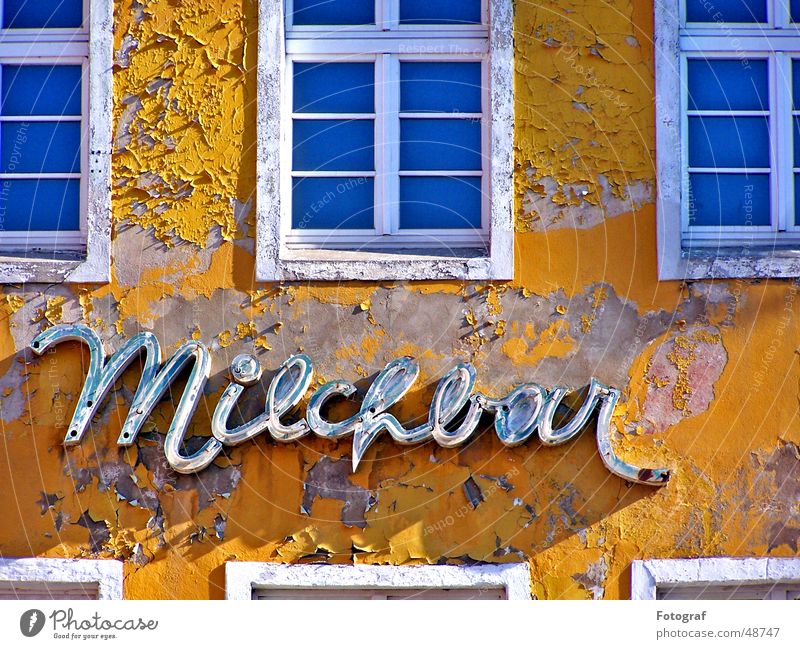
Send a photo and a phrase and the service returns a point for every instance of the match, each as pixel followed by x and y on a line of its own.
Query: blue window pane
pixel 441 202
pixel 796 121
pixel 440 87
pixel 797 199
pixel 333 203
pixel 440 12
pixel 796 83
pixel 726 11
pixel 726 84
pixel 795 9
pixel 729 199
pixel 440 144
pixel 334 145
pixel 41 204
pixel 333 12
pixel 728 142
pixel 40 147
pixel 41 90
pixel 334 88
pixel 32 14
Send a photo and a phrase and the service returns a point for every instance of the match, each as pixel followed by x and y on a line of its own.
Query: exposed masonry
pixel 331 479
pixel 681 375
pixel 593 580
pixel 546 205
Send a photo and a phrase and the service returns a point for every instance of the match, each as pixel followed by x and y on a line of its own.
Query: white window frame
pixel 107 574
pixel 648 576
pixel 768 251
pixel 242 577
pixel 83 256
pixel 333 255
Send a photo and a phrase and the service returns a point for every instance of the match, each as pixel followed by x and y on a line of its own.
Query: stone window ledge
pixel 429 264
pixel 734 262
pixel 58 267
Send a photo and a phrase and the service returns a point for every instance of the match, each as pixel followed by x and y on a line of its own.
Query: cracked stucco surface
pixel 708 371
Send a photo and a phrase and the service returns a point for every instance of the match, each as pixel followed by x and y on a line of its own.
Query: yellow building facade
pixel 707 368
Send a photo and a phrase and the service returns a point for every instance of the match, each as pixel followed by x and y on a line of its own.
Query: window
pixel 716 578
pixel 728 138
pixel 60 579
pixel 385 139
pixel 250 580
pixel 55 140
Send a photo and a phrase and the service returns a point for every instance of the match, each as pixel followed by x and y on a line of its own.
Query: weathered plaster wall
pixel 709 370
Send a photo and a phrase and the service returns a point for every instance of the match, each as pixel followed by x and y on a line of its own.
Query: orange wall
pixel 709 371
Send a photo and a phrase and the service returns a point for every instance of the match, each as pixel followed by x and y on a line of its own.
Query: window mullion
pixel 390 180
pixel 380 140
pixel 85 145
pixel 389 14
pixel 287 19
pixel 781 129
pixel 685 184
pixel 779 13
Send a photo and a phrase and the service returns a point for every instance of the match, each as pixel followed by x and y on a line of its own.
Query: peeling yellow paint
pixel 14 303
pixel 682 355
pixel 53 312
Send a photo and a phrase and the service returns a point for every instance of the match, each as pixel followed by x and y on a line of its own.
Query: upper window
pixel 728 119
pixel 378 145
pixel 54 140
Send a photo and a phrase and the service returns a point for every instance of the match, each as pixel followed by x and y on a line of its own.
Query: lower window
pixel 60 579
pixel 250 580
pixel 716 578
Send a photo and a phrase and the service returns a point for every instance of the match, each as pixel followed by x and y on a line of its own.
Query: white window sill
pixel 106 574
pixel 406 264
pixel 56 267
pixel 734 262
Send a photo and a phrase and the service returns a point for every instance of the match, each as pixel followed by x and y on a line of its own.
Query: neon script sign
pixel 453 417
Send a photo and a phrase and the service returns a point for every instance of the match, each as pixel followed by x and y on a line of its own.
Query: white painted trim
pixel 241 577
pixel 276 261
pixel 95 265
pixel 648 576
pixel 106 573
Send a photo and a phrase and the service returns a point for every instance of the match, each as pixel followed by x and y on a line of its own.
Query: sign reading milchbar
pixel 528 408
